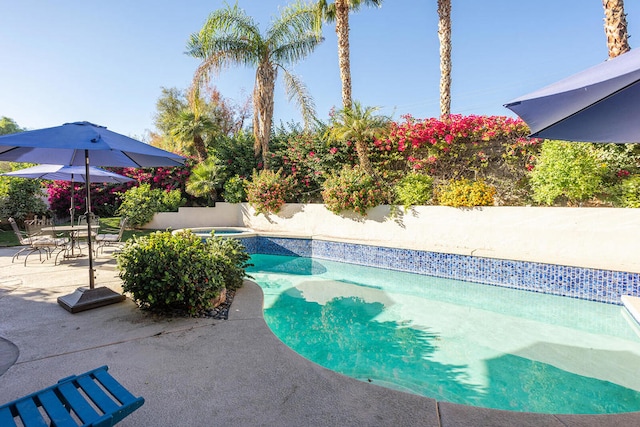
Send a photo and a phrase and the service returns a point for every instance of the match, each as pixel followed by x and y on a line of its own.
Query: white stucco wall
pixel 604 238
pixel 223 215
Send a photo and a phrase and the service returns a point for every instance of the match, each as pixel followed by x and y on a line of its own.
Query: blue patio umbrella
pixel 600 104
pixel 84 144
pixel 69 173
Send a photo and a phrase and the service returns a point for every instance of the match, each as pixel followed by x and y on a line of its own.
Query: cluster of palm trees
pixel 230 37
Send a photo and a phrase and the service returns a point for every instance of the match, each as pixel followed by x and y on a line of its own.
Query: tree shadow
pixel 343 335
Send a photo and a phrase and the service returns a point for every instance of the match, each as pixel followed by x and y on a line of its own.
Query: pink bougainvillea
pixel 104 197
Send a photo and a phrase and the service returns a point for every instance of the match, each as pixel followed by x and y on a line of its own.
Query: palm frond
pixel 296 90
pixel 295 22
pixel 295 50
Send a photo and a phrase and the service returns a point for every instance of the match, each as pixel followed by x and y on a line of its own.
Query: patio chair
pixel 111 236
pixel 82 232
pixel 34 241
pixel 94 398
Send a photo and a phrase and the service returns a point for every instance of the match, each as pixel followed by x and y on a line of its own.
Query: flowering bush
pixel 493 148
pixel 105 198
pixel 353 189
pixel 462 192
pixel 308 159
pixel 268 191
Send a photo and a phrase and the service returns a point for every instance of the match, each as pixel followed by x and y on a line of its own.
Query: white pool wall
pixel 602 238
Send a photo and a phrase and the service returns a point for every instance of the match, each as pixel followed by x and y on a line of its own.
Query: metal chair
pixel 111 236
pixel 82 232
pixel 35 241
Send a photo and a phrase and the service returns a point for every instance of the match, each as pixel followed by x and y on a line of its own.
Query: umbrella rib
pixel 535 135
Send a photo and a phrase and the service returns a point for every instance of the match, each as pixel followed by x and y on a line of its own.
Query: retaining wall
pixel 601 238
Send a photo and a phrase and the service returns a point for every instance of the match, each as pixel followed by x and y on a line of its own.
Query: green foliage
pixel 8 126
pixel 353 189
pixel 139 204
pixel 268 191
pixel 235 155
pixel 21 198
pixel 567 170
pixel 235 190
pixel 465 193
pixel 630 189
pixel 414 189
pixel 233 260
pixel 167 272
pixel 205 179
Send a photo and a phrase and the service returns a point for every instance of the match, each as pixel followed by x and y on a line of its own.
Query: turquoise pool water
pixel 454 341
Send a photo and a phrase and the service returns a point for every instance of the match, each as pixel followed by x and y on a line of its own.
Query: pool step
pixel 632 304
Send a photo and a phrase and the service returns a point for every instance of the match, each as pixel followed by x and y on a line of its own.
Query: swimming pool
pixel 204 232
pixel 452 340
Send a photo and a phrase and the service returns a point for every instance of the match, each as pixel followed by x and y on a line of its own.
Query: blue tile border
pixel 575 282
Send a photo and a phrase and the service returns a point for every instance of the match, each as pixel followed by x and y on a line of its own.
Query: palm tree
pixel 231 37
pixel 191 129
pixel 615 27
pixel 338 12
pixel 360 125
pixel 204 179
pixel 444 36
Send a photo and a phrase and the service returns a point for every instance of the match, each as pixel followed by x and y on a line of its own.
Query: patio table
pixel 72 232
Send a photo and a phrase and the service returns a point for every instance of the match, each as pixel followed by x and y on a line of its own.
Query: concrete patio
pixel 201 372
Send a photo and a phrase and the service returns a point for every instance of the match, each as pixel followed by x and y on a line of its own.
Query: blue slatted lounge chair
pixel 92 399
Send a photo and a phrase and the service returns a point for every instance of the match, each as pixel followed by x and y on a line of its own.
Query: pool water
pixel 454 341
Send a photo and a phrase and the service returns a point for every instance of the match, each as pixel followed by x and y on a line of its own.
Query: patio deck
pixel 202 371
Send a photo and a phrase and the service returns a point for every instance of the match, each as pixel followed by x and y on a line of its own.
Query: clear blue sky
pixel 105 62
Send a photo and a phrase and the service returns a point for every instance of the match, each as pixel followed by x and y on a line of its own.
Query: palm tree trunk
pixel 615 27
pixel 444 35
pixel 342 32
pixel 363 157
pixel 198 145
pixel 263 109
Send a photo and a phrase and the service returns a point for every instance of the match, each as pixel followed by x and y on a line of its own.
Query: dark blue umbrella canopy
pixel 66 145
pixel 83 144
pixel 600 104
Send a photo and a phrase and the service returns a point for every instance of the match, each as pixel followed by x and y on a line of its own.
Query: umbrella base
pixel 86 299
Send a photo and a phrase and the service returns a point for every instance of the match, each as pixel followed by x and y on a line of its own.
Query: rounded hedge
pixel 169 273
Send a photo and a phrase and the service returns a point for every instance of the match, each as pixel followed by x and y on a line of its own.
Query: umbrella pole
pixel 83 298
pixel 92 276
pixel 73 184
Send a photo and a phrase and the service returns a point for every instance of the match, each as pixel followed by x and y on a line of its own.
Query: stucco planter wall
pixel 603 238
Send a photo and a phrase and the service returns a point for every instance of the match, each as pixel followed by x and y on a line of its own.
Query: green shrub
pixel 462 192
pixel 139 204
pixel 169 273
pixel 566 169
pixel 630 192
pixel 21 198
pixel 353 189
pixel 414 189
pixel 268 191
pixel 233 260
pixel 235 190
